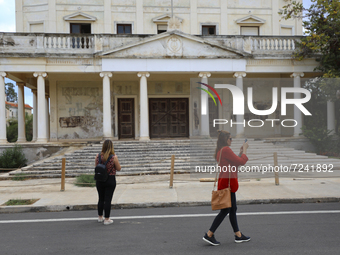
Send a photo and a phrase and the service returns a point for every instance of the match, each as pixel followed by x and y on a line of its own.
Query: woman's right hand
pixel 245 147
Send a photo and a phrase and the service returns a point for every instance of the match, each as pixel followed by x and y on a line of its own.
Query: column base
pixel 144 138
pixel 3 141
pixel 21 140
pixel 41 140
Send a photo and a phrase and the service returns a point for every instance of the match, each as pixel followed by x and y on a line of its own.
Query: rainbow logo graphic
pixel 209 87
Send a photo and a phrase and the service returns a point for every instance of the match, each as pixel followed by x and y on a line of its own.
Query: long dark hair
pixel 222 140
pixel 107 149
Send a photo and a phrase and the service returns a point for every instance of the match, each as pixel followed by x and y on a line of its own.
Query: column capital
pixel 294 75
pixel 103 74
pixel 146 74
pixel 20 84
pixel 34 91
pixel 3 74
pixel 43 74
pixel 204 74
pixel 239 74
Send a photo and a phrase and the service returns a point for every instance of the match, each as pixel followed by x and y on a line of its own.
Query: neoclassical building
pixel 125 69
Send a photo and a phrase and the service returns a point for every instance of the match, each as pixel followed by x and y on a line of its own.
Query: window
pixel 208 30
pixel 162 28
pixel 78 28
pixel 124 29
pixel 250 30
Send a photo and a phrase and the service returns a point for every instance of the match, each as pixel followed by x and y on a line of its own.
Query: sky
pixel 7 24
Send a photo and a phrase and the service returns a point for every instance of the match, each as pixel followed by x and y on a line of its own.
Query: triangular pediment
pixel 173 44
pixel 80 16
pixel 251 19
pixel 164 19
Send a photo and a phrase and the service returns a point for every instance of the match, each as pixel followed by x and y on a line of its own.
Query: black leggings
pixel 224 212
pixel 105 194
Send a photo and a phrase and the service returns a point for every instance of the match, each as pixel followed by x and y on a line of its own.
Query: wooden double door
pixel 168 117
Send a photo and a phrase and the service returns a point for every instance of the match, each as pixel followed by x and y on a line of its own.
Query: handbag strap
pixel 217 171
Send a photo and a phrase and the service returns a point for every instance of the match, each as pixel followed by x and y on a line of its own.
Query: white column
pixel 3 138
pixel 35 115
pixel 331 116
pixel 240 122
pixel 275 18
pixel 107 127
pixel 47 107
pixel 144 106
pixel 297 113
pixel 204 105
pixel 42 136
pixel 21 113
pixel 52 16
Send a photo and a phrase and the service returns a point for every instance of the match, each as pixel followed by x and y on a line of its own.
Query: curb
pixel 61 208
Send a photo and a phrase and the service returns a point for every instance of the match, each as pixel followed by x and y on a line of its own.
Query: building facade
pixel 126 69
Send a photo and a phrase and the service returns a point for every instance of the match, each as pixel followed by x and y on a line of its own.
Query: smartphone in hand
pixel 246 140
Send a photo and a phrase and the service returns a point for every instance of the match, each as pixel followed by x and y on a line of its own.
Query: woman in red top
pixel 229 164
pixel 106 189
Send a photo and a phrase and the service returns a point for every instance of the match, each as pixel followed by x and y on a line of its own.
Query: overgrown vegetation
pixel 321 22
pixel 13 158
pixel 12 129
pixel 20 177
pixel 20 202
pixel 85 180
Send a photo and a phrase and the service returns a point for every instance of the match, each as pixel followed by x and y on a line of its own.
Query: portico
pixel 86 86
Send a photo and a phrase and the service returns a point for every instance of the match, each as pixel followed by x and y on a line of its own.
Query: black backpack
pixel 100 171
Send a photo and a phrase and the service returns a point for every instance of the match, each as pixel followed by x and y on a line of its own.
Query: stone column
pixel 47 106
pixel 107 127
pixel 21 113
pixel 204 105
pixel 144 106
pixel 297 113
pixel 35 115
pixel 3 137
pixel 240 122
pixel 42 135
pixel 331 116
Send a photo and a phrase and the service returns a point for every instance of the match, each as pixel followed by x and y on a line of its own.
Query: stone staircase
pixel 155 157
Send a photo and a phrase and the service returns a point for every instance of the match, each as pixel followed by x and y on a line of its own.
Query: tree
pixel 322 41
pixel 11 95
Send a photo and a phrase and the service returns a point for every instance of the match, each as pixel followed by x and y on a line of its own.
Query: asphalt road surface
pixel 274 229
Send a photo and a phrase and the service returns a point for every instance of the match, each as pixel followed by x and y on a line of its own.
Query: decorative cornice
pixel 87 17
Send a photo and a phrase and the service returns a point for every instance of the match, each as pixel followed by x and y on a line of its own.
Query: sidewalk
pixel 153 190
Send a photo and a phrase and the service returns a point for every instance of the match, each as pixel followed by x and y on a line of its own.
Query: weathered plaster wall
pixel 80 109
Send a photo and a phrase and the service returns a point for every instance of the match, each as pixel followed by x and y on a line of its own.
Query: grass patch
pixel 85 180
pixel 20 202
pixel 20 177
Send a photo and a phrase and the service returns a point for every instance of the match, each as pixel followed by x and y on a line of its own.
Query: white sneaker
pixel 108 222
pixel 100 220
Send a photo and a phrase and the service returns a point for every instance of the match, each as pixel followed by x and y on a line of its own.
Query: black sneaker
pixel 211 240
pixel 242 239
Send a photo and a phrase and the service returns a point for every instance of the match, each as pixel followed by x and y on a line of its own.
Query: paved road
pixel 275 229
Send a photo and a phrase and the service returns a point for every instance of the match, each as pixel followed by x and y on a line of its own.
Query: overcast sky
pixel 7 24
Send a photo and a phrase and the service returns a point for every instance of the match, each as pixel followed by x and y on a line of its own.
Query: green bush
pixel 319 137
pixel 13 158
pixel 85 180
pixel 12 129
